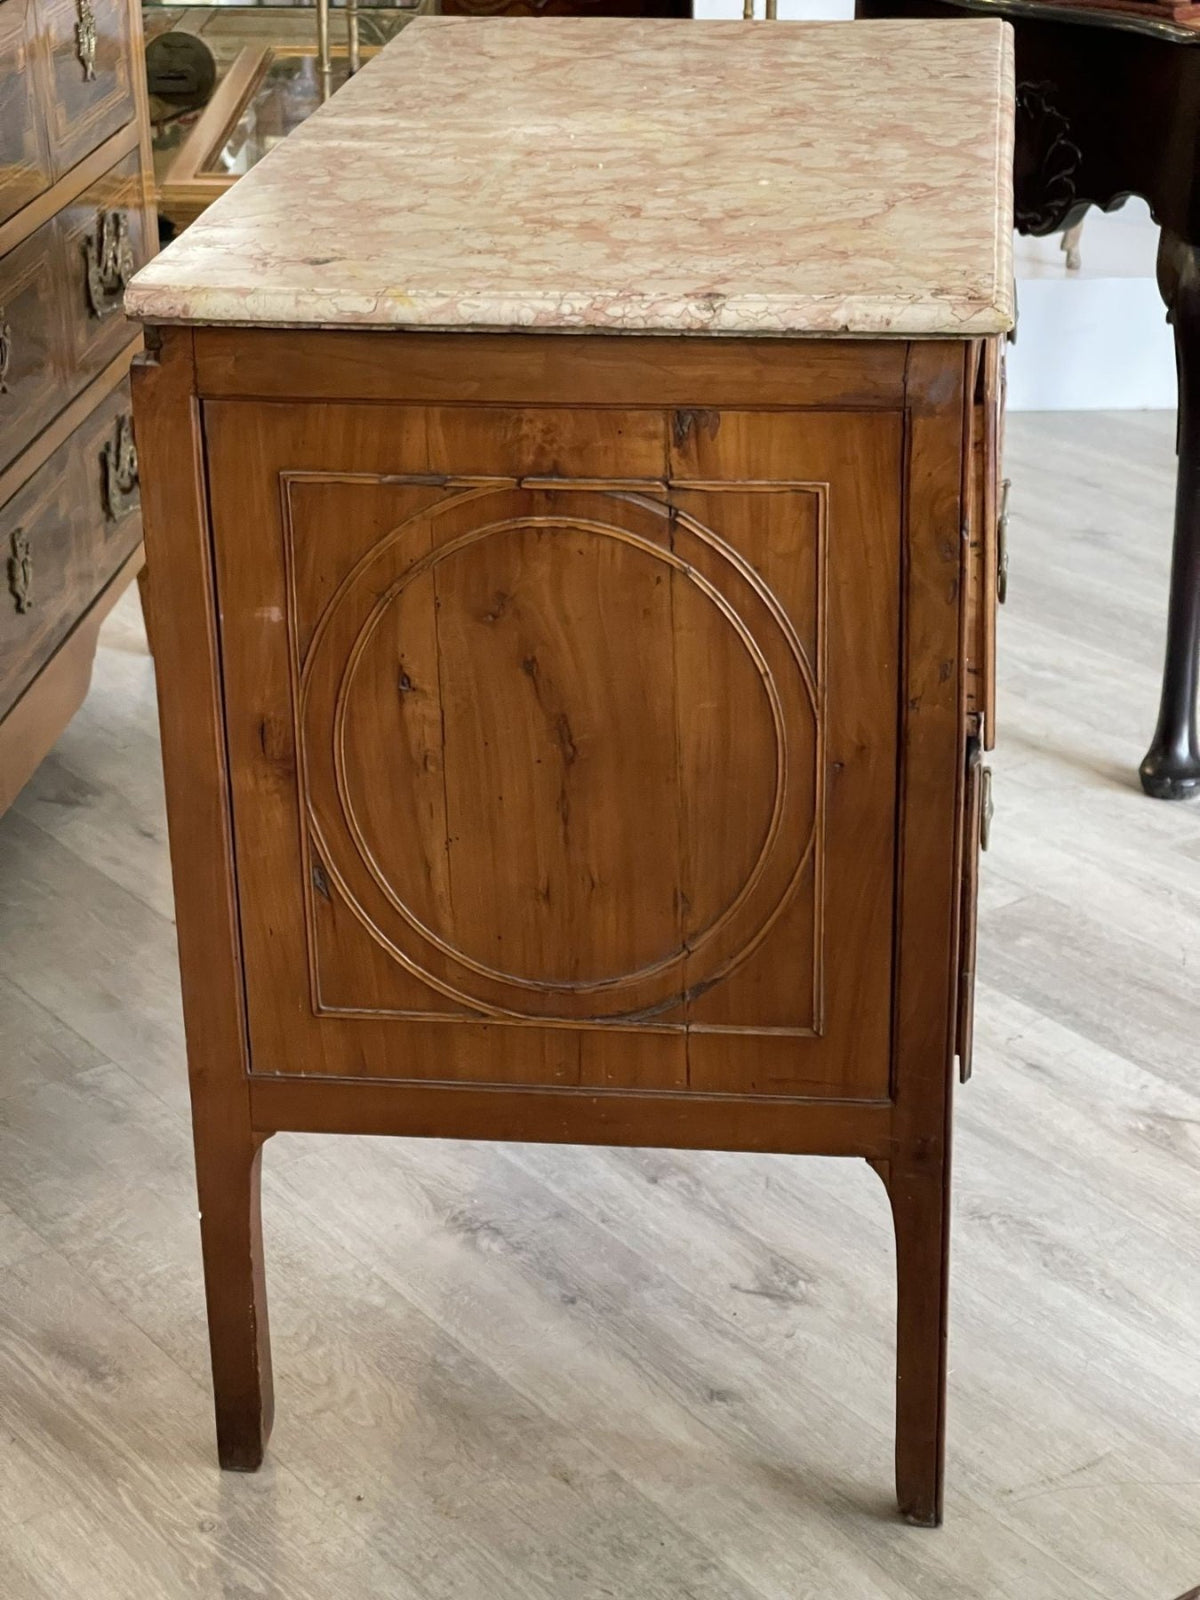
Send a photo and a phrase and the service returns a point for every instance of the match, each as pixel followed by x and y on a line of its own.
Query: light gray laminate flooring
pixel 567 1374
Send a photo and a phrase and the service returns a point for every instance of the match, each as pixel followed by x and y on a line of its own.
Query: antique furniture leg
pixel 227 1174
pixel 920 1212
pixel 1069 244
pixel 194 764
pixel 1171 769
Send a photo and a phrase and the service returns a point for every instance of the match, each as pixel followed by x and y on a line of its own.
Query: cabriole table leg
pixel 1171 768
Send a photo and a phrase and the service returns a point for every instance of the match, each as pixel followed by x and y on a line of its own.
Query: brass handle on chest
pixel 1002 543
pixel 120 472
pixel 85 39
pixel 20 570
pixel 108 256
pixel 987 808
pixel 5 351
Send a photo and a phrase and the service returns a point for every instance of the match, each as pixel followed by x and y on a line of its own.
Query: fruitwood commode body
pixel 571 563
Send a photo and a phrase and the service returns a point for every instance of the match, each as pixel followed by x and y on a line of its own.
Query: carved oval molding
pixel 348 649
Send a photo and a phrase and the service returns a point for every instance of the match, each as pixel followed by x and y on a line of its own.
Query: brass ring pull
pixel 108 255
pixel 120 472
pixel 20 570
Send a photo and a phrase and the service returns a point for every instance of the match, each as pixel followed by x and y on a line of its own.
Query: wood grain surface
pixel 519 803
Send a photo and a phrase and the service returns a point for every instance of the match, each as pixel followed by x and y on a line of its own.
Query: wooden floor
pixel 548 1372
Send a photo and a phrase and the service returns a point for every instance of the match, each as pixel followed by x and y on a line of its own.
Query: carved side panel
pixel 547 776
pixel 524 717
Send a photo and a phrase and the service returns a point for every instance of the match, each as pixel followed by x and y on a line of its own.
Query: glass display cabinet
pixel 276 61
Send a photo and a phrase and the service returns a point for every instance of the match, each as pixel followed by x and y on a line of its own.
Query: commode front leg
pixel 921 1216
pixel 227 1172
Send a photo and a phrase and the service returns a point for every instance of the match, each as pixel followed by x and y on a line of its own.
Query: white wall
pixel 1095 339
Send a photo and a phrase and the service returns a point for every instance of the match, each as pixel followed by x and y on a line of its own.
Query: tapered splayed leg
pixel 227 1171
pixel 920 1213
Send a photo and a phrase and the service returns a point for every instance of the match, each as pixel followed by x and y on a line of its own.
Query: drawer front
pixel 551 766
pixel 106 235
pixel 60 303
pixel 25 170
pixel 32 339
pixel 90 71
pixel 62 537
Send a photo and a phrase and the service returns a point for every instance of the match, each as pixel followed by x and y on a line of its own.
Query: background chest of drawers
pixel 76 220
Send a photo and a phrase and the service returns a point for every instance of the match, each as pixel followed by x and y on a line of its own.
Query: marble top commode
pixel 629 176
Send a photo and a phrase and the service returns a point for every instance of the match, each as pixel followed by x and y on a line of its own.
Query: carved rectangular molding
pixel 559 751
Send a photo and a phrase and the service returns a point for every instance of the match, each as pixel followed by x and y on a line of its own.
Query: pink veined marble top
pixel 629 176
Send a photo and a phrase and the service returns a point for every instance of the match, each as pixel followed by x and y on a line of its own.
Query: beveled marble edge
pixel 1004 290
pixel 840 317
pixel 971 309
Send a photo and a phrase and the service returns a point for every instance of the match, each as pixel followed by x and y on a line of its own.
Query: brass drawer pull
pixel 20 570
pixel 121 472
pixel 987 807
pixel 85 39
pixel 1002 543
pixel 108 254
pixel 5 351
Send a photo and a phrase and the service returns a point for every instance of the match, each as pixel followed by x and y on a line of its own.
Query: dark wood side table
pixel 1108 106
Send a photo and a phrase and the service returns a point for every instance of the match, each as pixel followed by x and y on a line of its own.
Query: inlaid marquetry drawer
pixel 60 302
pixel 107 233
pixel 25 170
pixel 90 66
pixel 63 536
pixel 32 338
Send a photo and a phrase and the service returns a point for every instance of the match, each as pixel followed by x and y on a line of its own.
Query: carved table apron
pixel 1108 106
